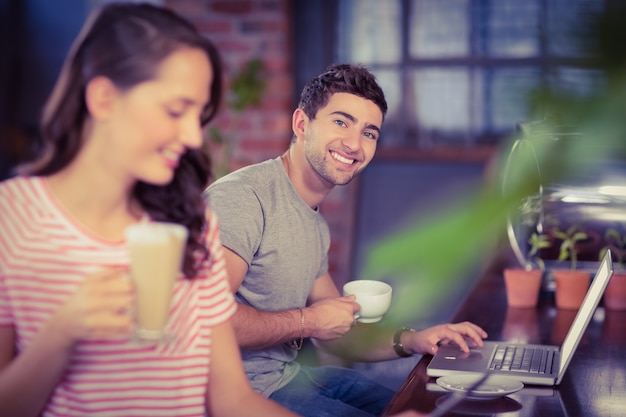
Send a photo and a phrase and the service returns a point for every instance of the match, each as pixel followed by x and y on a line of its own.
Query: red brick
pixel 213 27
pixel 278 122
pixel 227 46
pixel 267 145
pixel 282 81
pixel 272 104
pixel 282 64
pixel 277 6
pixel 232 6
pixel 187 8
pixel 243 30
pixel 263 27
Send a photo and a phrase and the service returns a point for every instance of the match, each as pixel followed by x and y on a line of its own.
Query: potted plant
pixel 245 91
pixel 615 294
pixel 523 284
pixel 571 284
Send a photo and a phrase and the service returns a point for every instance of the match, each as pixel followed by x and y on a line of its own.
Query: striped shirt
pixel 44 255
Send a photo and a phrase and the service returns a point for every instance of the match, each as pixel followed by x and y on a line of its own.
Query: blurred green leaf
pixel 248 86
pixel 430 257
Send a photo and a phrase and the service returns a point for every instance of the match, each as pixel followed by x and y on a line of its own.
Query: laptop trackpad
pixel 477 359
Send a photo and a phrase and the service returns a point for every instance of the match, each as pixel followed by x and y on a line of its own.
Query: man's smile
pixel 342 158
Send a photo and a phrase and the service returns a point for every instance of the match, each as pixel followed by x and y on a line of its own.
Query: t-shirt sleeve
pixel 215 293
pixel 240 217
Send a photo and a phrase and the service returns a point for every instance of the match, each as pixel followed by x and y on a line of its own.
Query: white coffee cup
pixel 374 297
pixel 156 252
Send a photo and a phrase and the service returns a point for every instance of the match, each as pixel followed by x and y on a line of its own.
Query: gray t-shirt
pixel 285 243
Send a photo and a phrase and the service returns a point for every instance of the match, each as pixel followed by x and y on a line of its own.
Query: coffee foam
pixel 151 232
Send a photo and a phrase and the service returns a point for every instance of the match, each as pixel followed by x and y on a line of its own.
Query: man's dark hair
pixel 341 78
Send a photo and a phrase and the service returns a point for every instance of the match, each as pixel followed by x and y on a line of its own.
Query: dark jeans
pixel 329 391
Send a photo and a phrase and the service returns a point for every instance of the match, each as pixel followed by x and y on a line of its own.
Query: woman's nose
pixel 191 134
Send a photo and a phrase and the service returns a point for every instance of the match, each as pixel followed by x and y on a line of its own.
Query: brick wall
pixel 244 30
pixel 261 29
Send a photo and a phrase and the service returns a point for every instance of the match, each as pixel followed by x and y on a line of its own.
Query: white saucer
pixel 494 386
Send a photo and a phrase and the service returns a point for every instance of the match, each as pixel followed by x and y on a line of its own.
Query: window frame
pixel 411 145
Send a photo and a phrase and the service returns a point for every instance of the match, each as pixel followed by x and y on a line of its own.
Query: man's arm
pixel 364 342
pixel 372 343
pixel 330 316
pixel 327 318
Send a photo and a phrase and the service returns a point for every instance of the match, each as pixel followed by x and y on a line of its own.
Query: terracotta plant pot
pixel 615 294
pixel 522 286
pixel 571 288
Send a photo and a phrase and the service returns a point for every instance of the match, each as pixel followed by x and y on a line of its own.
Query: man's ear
pixel 299 121
pixel 100 96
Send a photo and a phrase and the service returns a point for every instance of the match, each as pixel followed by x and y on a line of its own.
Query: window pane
pixel 507 96
pixel 390 82
pixel 577 81
pixel 370 31
pixel 565 20
pixel 441 99
pixel 439 28
pixel 468 66
pixel 508 28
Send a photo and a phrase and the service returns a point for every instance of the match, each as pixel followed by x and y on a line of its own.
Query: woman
pixel 122 131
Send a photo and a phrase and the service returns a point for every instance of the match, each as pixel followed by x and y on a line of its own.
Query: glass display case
pixel 585 213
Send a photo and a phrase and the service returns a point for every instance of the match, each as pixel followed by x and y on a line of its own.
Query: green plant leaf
pixel 428 258
pixel 248 86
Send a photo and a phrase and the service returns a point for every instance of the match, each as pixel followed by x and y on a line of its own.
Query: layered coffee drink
pixel 156 252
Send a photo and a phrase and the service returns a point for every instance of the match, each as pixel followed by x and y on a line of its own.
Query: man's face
pixel 341 140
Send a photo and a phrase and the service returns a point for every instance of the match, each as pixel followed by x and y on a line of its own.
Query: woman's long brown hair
pixel 126 43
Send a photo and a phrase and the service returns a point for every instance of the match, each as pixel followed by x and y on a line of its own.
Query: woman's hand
pixel 100 309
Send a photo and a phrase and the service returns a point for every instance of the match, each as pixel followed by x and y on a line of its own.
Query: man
pixel 276 246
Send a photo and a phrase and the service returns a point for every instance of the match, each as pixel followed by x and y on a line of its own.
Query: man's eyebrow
pixel 353 119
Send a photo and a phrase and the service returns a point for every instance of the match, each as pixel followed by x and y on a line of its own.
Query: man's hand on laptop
pixel 427 341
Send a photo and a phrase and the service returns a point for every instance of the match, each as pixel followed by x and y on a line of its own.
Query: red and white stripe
pixel 44 256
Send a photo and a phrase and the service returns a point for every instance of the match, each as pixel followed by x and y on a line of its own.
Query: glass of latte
pixel 156 253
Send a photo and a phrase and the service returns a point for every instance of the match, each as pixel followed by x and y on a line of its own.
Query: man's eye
pixel 340 122
pixel 370 135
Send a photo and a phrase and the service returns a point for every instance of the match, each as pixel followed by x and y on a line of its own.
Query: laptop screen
pixel 586 311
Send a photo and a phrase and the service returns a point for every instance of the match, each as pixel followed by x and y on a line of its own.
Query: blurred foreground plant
pixel 427 259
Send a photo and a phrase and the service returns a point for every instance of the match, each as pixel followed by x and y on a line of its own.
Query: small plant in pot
pixel 571 284
pixel 523 284
pixel 615 294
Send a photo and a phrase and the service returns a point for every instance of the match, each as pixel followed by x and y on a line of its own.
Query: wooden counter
pixel 594 385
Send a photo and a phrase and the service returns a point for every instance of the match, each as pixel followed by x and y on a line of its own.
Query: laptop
pixel 538 364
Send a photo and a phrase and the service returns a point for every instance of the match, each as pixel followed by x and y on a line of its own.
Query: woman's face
pixel 153 123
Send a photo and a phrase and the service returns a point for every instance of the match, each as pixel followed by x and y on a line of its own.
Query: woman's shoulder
pixel 251 175
pixel 22 187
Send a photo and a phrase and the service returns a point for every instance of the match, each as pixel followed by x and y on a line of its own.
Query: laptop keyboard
pixel 522 359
